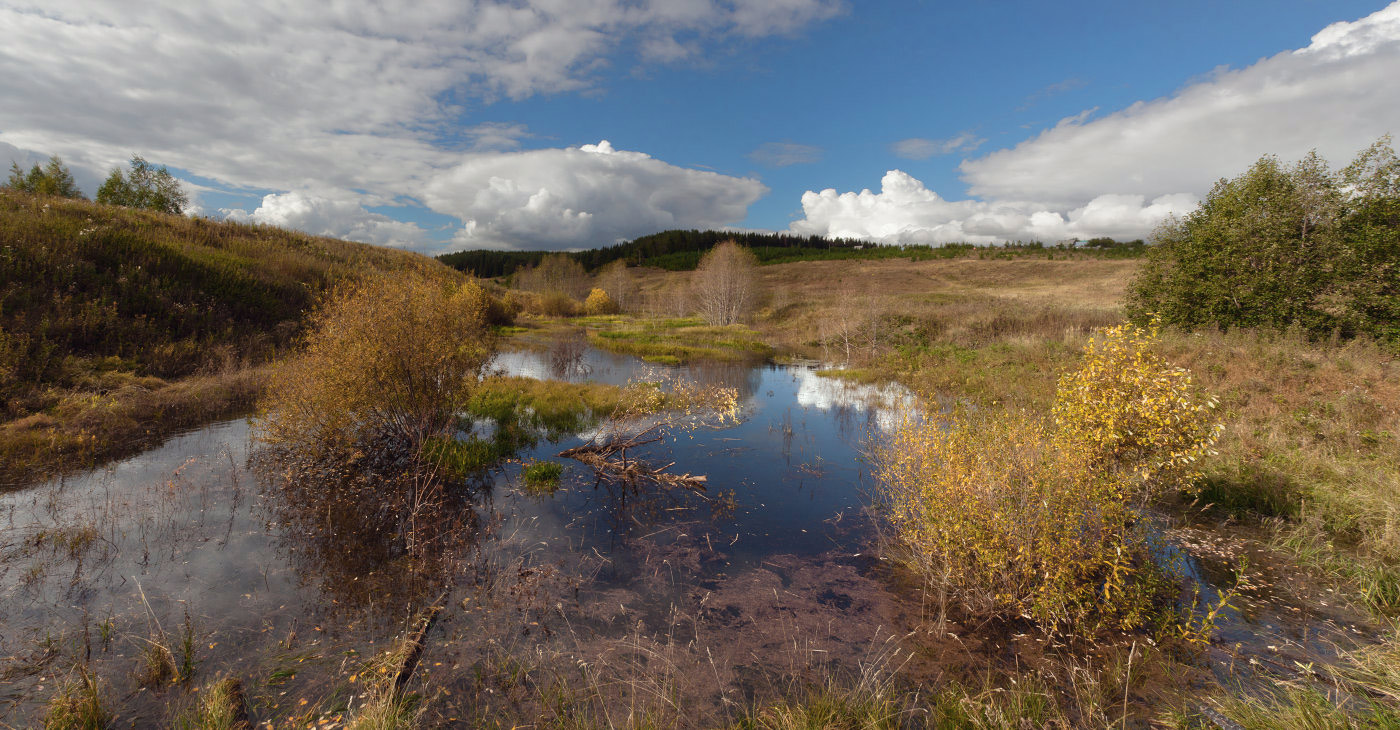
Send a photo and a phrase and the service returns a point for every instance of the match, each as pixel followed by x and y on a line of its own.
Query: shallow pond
pixel 674 605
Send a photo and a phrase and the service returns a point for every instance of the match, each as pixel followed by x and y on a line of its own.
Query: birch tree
pixel 725 284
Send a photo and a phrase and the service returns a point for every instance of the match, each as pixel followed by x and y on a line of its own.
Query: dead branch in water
pixel 687 406
pixel 609 460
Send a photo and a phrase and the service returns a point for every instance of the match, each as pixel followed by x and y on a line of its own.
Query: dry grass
pixel 78 705
pixel 118 416
pixel 222 706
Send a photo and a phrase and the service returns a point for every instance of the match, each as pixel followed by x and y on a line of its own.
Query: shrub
pixel 387 361
pixel 599 302
pixel 1010 514
pixel 1283 246
pixel 1135 413
pixel 557 304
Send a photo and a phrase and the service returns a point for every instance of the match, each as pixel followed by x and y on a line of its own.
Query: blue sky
pixel 481 124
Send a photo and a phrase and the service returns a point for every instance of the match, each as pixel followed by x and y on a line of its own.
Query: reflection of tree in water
pixel 566 354
pixel 742 377
pixel 373 532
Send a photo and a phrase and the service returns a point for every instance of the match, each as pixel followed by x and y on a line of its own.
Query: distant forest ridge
pixel 681 250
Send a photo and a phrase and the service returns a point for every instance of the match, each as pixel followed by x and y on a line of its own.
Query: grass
pixel 665 340
pixel 221 706
pixel 542 477
pixel 521 411
pixel 675 341
pixel 78 705
pixel 118 416
pixel 164 662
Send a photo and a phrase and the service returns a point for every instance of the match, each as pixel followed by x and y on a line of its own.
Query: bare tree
pixel 617 281
pixel 725 283
pixel 851 323
pixel 557 273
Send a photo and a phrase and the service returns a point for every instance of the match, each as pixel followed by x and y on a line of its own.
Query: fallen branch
pixel 610 462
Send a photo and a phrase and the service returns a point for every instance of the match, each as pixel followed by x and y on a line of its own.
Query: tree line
pixel 681 250
pixel 143 185
pixel 676 250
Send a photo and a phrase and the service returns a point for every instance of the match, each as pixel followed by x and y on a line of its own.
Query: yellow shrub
pixel 1012 514
pixel 599 302
pixel 995 514
pixel 386 360
pixel 1134 412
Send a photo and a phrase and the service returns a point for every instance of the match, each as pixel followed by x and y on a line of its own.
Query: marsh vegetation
pixel 959 491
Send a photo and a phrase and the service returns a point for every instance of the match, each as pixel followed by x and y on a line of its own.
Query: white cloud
pixel 1120 175
pixel 783 154
pixel 497 135
pixel 585 196
pixel 1336 95
pixel 356 95
pixel 907 212
pixel 329 214
pixel 918 148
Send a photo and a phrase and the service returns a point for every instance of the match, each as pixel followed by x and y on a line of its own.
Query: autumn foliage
pixel 388 362
pixel 598 302
pixel 1012 514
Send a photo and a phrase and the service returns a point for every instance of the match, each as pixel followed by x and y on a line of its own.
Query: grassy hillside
pixel 101 308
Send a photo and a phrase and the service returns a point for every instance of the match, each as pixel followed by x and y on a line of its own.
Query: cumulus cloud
pixel 918 148
pixel 353 96
pixel 584 196
pixel 907 212
pixel 329 214
pixel 782 154
pixel 1122 174
pixel 1336 95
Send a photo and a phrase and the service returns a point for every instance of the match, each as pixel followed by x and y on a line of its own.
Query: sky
pixel 564 124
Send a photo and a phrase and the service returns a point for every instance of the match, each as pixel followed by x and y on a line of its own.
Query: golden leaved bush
pixel 1010 513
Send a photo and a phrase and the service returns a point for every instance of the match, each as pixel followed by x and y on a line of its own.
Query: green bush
pixel 1281 246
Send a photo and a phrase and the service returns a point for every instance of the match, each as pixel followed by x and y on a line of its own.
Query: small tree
pixel 53 178
pixel 618 282
pixel 1010 514
pixel 144 186
pixel 725 283
pixel 388 364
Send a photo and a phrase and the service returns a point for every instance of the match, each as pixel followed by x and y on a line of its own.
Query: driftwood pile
pixel 609 461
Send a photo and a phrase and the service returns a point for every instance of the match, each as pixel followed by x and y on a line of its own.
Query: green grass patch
pixel 523 411
pixel 542 477
pixel 675 341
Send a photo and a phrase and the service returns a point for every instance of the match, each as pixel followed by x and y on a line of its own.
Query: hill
pixel 103 308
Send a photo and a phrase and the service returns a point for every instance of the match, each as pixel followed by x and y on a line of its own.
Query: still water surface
pixel 675 603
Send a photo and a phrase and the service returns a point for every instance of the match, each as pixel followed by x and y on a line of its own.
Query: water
pixel 685 605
